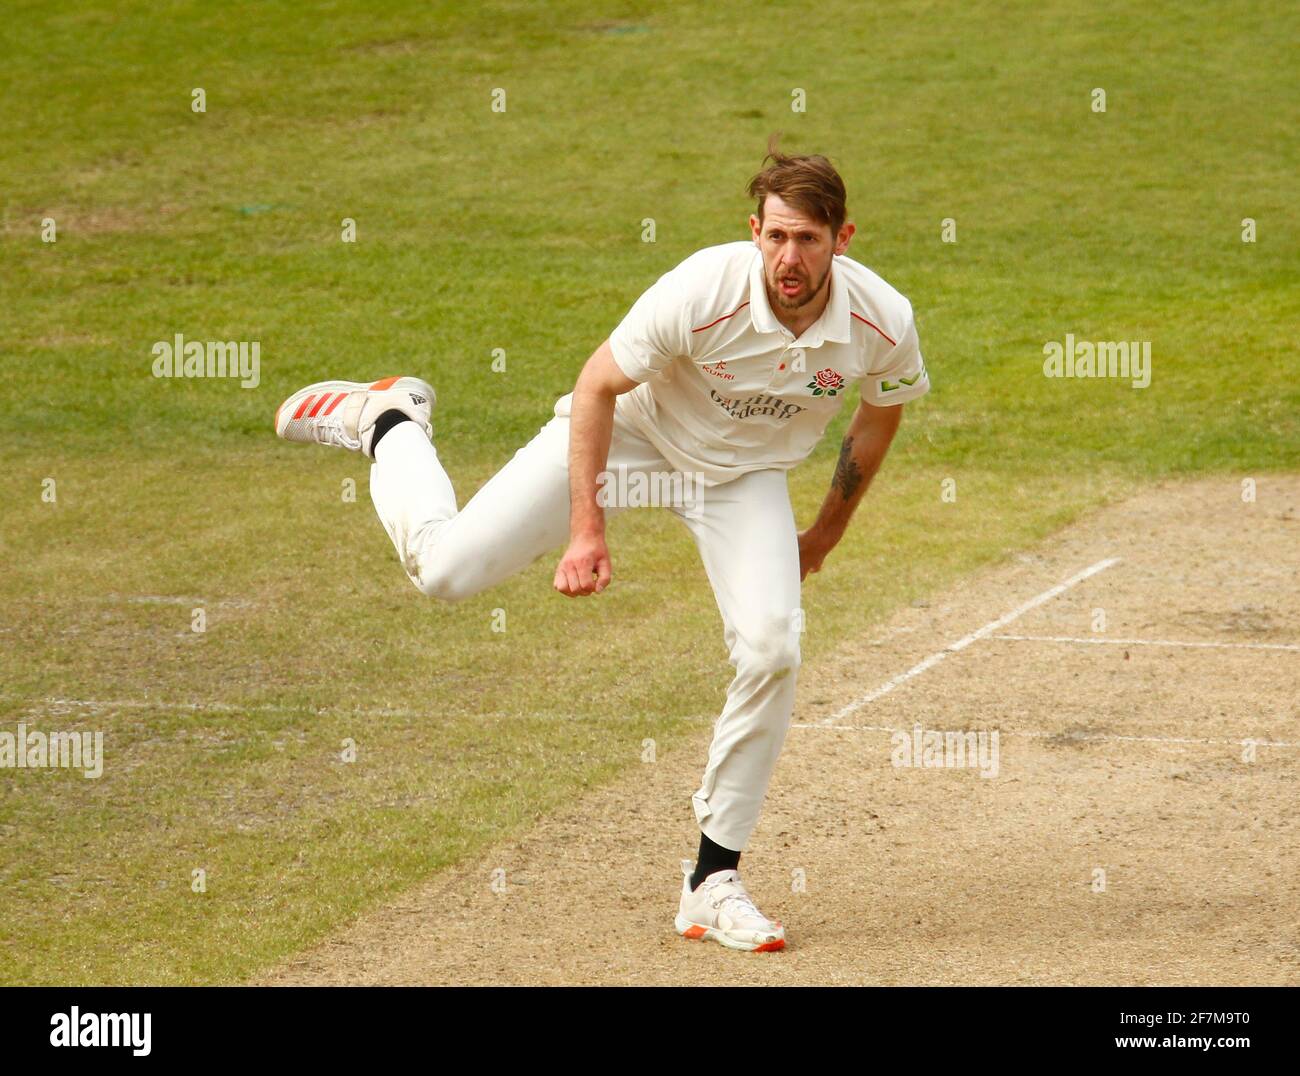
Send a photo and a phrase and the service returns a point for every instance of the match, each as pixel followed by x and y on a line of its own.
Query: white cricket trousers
pixel 744 530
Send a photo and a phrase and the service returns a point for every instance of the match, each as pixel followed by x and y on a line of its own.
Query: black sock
pixel 383 424
pixel 712 857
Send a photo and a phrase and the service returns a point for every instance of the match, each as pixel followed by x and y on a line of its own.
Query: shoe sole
pixel 353 386
pixel 696 932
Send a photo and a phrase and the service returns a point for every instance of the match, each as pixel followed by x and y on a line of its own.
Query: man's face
pixel 797 252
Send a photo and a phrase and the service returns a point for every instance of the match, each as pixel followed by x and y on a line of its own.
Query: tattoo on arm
pixel 848 475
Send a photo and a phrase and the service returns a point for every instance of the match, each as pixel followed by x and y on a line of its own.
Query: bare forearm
pixel 864 448
pixel 591 426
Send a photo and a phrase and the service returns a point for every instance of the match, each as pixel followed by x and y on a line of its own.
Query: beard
pixel 776 297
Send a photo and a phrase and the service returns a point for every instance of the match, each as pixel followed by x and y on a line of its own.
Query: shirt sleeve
pixel 901 375
pixel 655 331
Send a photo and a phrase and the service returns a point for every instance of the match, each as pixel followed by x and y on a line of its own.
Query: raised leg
pixel 520 514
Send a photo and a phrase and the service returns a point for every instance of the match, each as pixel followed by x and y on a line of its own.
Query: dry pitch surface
pixel 1126 751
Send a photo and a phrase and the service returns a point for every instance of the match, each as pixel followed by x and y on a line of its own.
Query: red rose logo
pixel 826 383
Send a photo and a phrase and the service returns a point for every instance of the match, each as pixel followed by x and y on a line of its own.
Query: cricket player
pixel 724 375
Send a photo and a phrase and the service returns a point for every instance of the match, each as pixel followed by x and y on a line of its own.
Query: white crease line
pixel 264 708
pixel 205 707
pixel 1141 642
pixel 965 641
pixel 1062 735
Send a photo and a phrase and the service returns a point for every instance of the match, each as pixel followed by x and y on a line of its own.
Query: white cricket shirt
pixel 726 388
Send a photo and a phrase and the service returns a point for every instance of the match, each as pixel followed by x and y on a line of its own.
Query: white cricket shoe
pixel 721 909
pixel 343 413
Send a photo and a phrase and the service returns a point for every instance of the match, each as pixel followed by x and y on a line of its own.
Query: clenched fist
pixel 584 568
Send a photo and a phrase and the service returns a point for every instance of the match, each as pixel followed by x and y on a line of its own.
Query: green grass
pixel 521 230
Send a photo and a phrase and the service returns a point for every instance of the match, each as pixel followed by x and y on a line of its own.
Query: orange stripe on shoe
pixel 337 400
pixel 319 404
pixel 303 407
pixel 770 947
pixel 694 932
pixel 386 383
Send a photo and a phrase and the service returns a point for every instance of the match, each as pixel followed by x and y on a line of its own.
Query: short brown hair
pixel 810 184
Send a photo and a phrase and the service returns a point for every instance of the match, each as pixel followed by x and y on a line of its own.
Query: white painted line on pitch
pixel 1142 642
pixel 266 708
pixel 1036 734
pixel 209 707
pixel 167 599
pixel 965 641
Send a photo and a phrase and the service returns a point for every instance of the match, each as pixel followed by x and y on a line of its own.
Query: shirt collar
pixel 832 326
